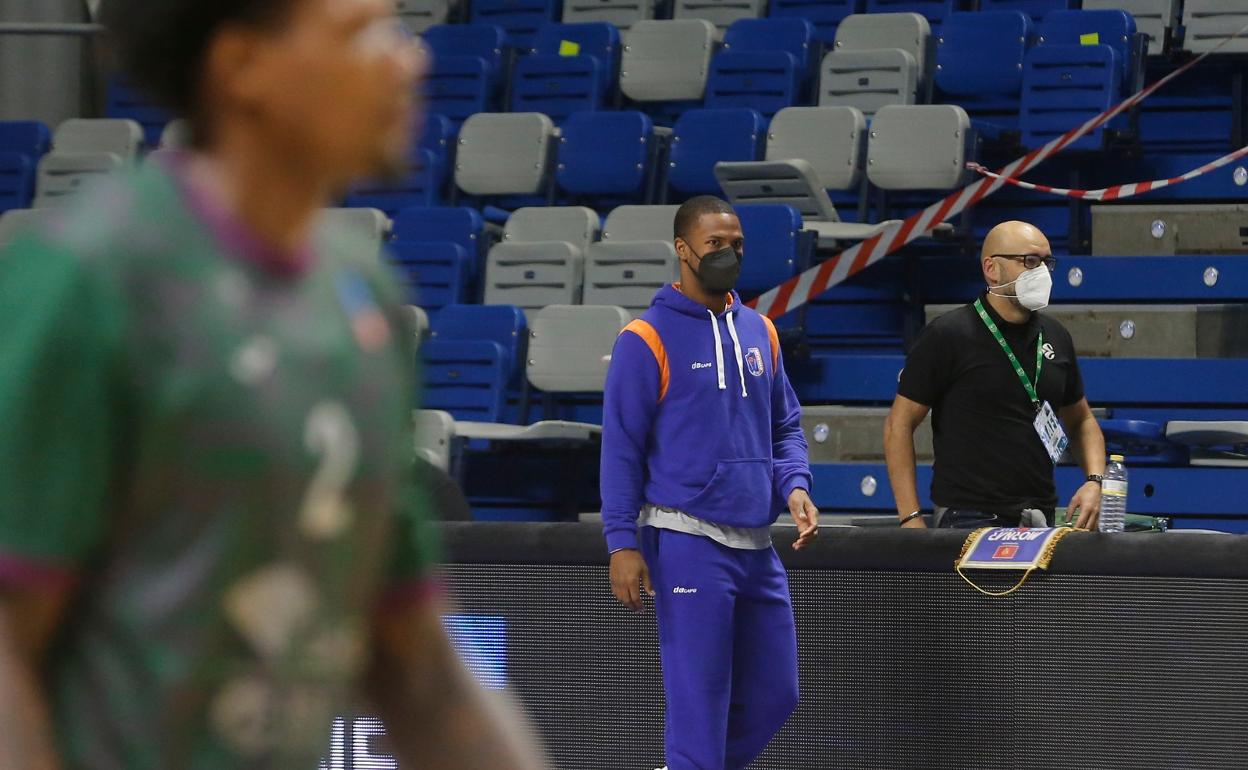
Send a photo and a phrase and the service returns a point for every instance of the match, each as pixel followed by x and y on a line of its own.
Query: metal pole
pixel 53 29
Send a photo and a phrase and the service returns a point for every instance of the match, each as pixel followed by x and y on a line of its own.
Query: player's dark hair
pixel 161 44
pixel 695 208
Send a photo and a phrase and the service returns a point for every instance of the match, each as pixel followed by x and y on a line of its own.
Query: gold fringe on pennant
pixel 1042 563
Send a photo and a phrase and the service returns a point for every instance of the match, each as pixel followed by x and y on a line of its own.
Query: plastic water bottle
pixel 1114 496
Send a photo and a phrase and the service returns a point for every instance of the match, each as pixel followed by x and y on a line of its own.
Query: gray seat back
pixel 791 182
pixel 1152 17
pixel 908 31
pixel 576 225
pixel 62 174
pixel 868 80
pixel 420 15
pixel 504 153
pixel 640 223
pixel 122 138
pixel 721 13
pixel 833 140
pixel 371 226
pixel 667 60
pixel 534 275
pixel 621 13
pixel 435 430
pixel 628 273
pixel 918 147
pixel 15 221
pixel 570 346
pixel 1209 22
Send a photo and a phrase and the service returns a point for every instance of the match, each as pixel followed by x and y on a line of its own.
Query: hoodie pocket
pixel 738 495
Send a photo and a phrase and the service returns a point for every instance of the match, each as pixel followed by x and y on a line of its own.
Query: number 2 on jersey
pixel 330 434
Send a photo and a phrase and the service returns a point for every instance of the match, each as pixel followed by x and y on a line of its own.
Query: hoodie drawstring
pixel 736 345
pixel 719 351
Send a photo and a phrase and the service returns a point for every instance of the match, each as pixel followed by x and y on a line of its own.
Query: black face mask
pixel 718 271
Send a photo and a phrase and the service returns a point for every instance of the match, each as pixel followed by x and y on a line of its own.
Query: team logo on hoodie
pixel 754 361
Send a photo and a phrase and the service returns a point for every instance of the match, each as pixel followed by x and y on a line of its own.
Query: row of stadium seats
pixel 1206 21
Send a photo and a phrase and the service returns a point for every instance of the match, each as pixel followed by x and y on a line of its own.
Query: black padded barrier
pixel 1130 652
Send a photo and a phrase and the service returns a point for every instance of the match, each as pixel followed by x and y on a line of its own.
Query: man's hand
pixel 1088 502
pixel 805 516
pixel 628 572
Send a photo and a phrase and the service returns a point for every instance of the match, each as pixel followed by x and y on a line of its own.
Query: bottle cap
pixel 1117 458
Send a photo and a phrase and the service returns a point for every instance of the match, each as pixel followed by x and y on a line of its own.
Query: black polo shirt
pixel 987 453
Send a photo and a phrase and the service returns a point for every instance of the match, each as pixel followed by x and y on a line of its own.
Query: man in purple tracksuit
pixel 702 447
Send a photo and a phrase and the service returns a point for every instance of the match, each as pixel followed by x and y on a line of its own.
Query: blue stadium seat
pixel 126 101
pixel 483 40
pixel 456 224
pixel 467 378
pixel 17 181
pixel 825 15
pixel 503 325
pixel 418 186
pixel 702 138
pixel 1065 85
pixel 606 156
pixel 520 19
pixel 772 242
pixel 25 137
pixel 935 11
pixel 557 85
pixel 597 39
pixel 436 273
pixel 1035 9
pixel 459 87
pixel 1110 28
pixel 765 64
pixel 979 63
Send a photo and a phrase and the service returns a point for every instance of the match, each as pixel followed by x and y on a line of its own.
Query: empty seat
pixel 419 320
pixel 831 139
pixel 28 138
pixel 721 13
pixel 825 15
pixel 1035 9
pixel 435 273
pixel 569 350
pixel 122 138
pixel 702 138
pixel 1155 18
pixel 981 54
pixel 764 65
pixel 604 155
pixel 520 19
pixel 484 41
pixel 629 273
pixel 639 223
pixel 176 134
pixel 868 80
pixel 61 174
pixel 503 325
pixel 418 185
pixel 534 275
pixel 504 154
pixel 576 225
pixel 935 11
pixel 420 15
pixel 909 32
pixel 667 60
pixel 598 40
pixel 771 254
pixel 557 85
pixel 1112 28
pixel 459 87
pixel 634 259
pixel 622 13
pixel 127 102
pixel 17 181
pixel 1064 86
pixel 369 226
pixel 465 378
pixel 460 225
pixel 919 147
pixel 1209 22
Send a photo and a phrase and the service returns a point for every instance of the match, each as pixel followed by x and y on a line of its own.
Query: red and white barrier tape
pixel 800 289
pixel 1118 191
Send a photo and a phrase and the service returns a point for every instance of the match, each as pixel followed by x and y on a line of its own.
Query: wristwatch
pixel 1096 477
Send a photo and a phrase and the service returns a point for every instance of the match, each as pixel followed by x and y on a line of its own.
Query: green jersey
pixel 215 446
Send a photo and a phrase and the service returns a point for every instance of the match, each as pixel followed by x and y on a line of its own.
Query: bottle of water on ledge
pixel 1114 495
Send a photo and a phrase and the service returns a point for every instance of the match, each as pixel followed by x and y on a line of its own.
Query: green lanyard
pixel 1018 368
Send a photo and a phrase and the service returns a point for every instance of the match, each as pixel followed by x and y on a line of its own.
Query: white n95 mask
pixel 1033 289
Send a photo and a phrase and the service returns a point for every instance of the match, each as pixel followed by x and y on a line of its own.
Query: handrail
pixel 50 28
